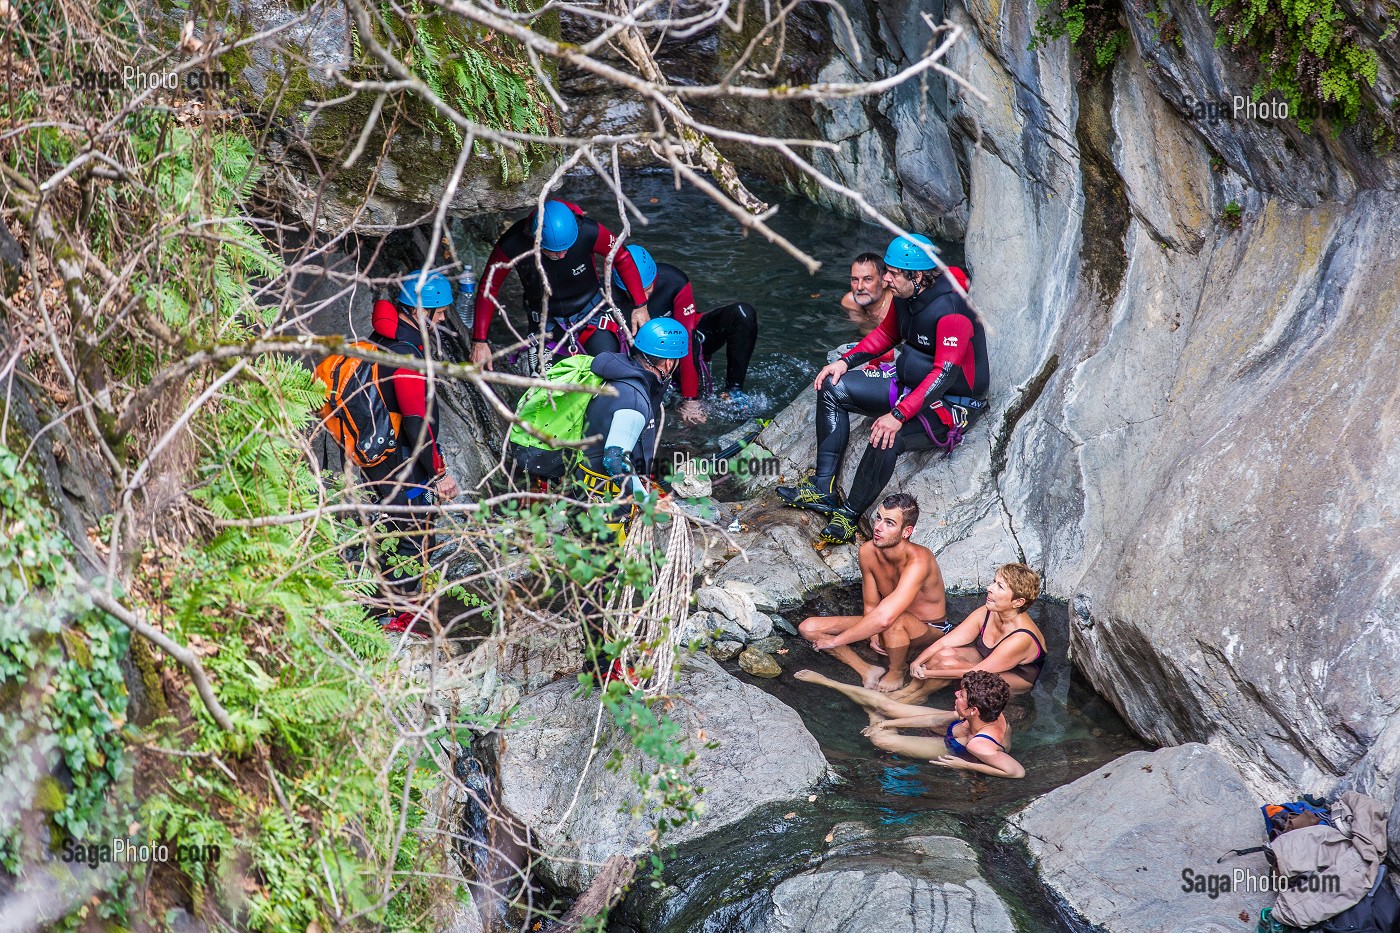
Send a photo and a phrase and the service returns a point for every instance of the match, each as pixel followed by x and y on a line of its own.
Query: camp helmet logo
pixel 950 341
pixel 578 270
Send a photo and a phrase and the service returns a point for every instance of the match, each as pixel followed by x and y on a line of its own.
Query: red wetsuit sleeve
pixel 953 342
pixel 411 390
pixel 623 265
pixel 485 308
pixel 683 310
pixel 881 339
pixel 386 319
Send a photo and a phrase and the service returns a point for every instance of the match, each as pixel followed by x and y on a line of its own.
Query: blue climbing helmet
pixel 906 252
pixel 431 291
pixel 560 226
pixel 645 265
pixel 663 337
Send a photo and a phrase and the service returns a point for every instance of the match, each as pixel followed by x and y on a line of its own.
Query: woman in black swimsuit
pixel 999 637
pixel 973 736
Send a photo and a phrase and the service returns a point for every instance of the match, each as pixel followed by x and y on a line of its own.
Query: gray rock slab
pixel 920 884
pixel 764 754
pixel 769 645
pixel 725 650
pixel 1115 843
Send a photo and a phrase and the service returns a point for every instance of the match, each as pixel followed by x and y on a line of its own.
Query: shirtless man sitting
pixel 998 637
pixel 902 591
pixel 973 736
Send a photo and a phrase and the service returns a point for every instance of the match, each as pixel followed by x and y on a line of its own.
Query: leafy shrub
pixel 1307 50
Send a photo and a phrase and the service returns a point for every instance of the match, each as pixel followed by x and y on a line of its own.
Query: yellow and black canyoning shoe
pixel 842 527
pixel 806 495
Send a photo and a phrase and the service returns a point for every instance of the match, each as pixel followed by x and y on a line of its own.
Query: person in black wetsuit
pixel 570 244
pixel 938 391
pixel 999 637
pixel 973 736
pixel 734 327
pixel 626 423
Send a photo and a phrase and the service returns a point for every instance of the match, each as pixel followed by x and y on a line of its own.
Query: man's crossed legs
pixel 904 639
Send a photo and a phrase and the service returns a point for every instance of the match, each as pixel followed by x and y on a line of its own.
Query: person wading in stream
pixel 417 467
pixel 869 299
pixel 570 244
pixel 973 736
pixel 999 637
pixel 938 391
pixel 905 608
pixel 734 327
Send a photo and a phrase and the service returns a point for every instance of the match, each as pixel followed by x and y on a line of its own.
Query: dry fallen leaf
pixel 785 651
pixel 816 294
pixel 831 835
pixel 789 816
pixel 811 798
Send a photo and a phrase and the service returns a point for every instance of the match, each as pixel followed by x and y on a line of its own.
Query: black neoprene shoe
pixel 842 527
pixel 806 495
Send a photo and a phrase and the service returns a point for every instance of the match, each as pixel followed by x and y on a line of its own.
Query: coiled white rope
pixel 652 631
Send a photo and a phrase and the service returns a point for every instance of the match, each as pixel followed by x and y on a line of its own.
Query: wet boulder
pixel 733 612
pixel 917 884
pixel 759 663
pixel 782 563
pixel 699 628
pixel 762 754
pixel 1134 845
pixel 725 650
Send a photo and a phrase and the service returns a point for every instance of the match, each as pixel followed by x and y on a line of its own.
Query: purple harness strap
pixel 951 439
pixel 559 349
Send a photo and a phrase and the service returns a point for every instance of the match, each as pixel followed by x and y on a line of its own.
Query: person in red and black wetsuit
pixel 939 388
pixel 570 244
pixel 417 467
pixel 734 327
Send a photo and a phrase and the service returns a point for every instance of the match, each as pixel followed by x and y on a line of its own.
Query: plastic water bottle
pixel 466 297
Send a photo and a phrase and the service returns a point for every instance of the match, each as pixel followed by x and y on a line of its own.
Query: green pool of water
pixel 1061 731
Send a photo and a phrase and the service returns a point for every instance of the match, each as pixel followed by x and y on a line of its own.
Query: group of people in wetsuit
pixel 641 328
pixel 565 297
pixel 641 333
pixel 921 370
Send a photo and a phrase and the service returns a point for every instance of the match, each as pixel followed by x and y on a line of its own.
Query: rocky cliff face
pixel 1194 430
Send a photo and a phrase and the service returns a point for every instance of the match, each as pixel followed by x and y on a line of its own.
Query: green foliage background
pixel 1309 51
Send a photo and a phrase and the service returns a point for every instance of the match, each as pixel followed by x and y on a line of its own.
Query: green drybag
pixel 554 413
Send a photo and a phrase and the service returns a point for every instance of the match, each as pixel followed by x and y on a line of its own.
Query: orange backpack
pixel 356 413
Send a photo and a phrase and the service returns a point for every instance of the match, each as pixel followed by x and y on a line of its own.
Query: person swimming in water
pixel 972 736
pixel 999 637
pixel 903 603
